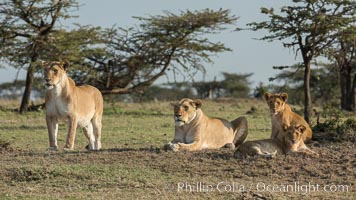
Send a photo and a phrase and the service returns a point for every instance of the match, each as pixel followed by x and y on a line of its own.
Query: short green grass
pixel 128 125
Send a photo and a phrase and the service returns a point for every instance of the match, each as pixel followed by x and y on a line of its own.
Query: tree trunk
pixel 342 89
pixel 347 89
pixel 353 97
pixel 28 87
pixel 305 50
pixel 307 98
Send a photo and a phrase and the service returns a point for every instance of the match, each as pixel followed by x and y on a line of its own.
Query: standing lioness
pixel 81 106
pixel 195 131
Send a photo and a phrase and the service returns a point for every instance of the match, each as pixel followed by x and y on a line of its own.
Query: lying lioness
pixel 195 131
pixel 292 142
pixel 81 106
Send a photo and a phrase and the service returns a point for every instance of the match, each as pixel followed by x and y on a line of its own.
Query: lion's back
pixel 89 99
pixel 218 132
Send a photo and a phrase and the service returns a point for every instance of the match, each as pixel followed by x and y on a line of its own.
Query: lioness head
pixel 185 110
pixel 53 72
pixel 276 102
pixel 293 135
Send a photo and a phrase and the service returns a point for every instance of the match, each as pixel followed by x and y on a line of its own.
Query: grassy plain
pixel 133 164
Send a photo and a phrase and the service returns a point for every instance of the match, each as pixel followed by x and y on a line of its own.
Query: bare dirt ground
pixel 155 173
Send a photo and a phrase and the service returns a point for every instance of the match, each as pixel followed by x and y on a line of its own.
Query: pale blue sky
pixel 248 55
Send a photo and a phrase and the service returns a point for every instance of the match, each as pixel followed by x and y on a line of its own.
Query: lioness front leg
pixel 72 127
pixel 306 151
pixel 52 127
pixel 189 147
pixel 173 145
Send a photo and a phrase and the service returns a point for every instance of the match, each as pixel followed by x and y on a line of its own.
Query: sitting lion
pixel 81 106
pixel 292 142
pixel 282 114
pixel 195 131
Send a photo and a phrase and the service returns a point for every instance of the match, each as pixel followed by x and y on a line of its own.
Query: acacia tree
pixel 233 85
pixel 236 85
pixel 138 56
pixel 343 54
pixel 323 83
pixel 309 27
pixel 211 89
pixel 25 30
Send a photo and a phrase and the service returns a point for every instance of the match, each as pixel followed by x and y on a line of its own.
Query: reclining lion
pixel 196 131
pixel 292 142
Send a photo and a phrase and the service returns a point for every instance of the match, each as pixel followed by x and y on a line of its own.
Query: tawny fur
pixel 282 114
pixel 79 105
pixel 292 142
pixel 196 131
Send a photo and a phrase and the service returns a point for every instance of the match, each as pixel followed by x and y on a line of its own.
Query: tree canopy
pixel 116 60
pixel 137 56
pixel 309 27
pixel 26 27
pixel 342 54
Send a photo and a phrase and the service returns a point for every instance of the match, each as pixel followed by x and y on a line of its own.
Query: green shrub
pixel 336 130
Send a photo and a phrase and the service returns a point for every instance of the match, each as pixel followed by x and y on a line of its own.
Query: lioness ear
pixel 65 64
pixel 267 95
pixel 198 103
pixel 302 128
pixel 284 96
pixel 172 104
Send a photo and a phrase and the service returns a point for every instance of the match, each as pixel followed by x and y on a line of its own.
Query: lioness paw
pixel 229 146
pixel 89 147
pixel 67 149
pixel 171 146
pixel 53 149
pixel 174 147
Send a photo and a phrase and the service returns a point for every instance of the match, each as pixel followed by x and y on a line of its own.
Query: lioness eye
pixel 55 71
pixel 186 108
